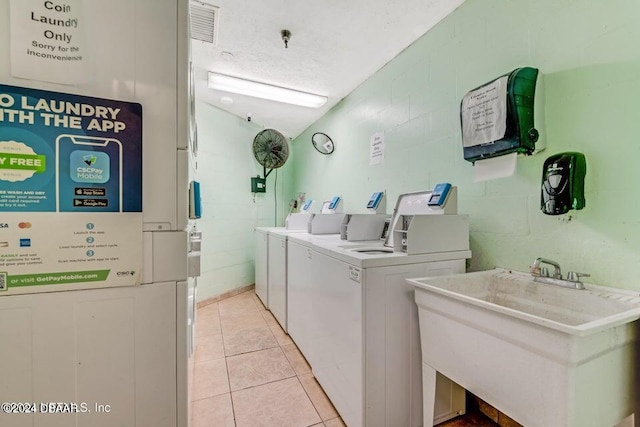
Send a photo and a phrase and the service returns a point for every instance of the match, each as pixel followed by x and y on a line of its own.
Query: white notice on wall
pixel 376 149
pixel 47 41
pixel 484 113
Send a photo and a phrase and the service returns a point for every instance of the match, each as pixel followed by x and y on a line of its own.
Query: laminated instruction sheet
pixel 70 191
pixel 484 113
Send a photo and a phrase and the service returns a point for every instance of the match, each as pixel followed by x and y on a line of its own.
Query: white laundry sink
pixel 542 354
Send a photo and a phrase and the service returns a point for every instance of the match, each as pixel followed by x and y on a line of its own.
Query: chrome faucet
pixel 540 272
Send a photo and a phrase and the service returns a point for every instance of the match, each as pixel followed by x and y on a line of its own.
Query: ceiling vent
pixel 204 21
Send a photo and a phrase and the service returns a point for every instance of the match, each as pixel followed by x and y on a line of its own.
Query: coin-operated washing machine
pixel 296 222
pixel 354 318
pixel 325 225
pixel 330 226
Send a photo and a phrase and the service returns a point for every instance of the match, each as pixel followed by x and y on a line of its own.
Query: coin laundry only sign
pixel 47 41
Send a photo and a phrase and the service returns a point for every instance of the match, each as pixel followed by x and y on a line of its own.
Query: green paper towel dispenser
pixel 497 118
pixel 563 183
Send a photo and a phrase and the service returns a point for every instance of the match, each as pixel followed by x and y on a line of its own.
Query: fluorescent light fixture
pixel 264 91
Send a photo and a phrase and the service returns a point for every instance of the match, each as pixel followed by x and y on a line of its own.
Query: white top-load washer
pixel 295 222
pixel 354 318
pixel 327 227
pixel 277 270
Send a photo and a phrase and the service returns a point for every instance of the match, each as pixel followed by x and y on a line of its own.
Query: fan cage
pixel 270 149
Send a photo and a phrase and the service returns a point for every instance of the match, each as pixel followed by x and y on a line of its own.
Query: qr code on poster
pixel 3 281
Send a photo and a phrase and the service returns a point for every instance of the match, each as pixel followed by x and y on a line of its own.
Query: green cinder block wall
pixel 588 51
pixel 230 212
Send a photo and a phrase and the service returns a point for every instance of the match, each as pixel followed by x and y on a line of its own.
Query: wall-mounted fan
pixel 271 150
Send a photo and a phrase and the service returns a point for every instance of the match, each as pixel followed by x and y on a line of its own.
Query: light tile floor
pixel 249 373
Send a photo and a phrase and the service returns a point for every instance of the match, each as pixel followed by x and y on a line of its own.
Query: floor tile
pixel 242 306
pixel 209 347
pixel 213 412
pixel 282 338
pixel 281 403
pixel 210 379
pixel 232 323
pixel 269 318
pixel 208 320
pixel 249 340
pixel 255 383
pixel 336 422
pixel 320 400
pixel 259 303
pixel 296 359
pixel 240 302
pixel 258 367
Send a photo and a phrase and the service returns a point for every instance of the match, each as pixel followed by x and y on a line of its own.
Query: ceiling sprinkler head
pixel 286 35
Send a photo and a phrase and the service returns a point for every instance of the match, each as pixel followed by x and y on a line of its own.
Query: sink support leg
pixel 428 394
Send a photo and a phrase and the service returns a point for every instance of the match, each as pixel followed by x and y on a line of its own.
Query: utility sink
pixel 543 354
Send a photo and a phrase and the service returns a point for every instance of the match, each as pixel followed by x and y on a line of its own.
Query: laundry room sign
pixel 47 41
pixel 376 149
pixel 70 191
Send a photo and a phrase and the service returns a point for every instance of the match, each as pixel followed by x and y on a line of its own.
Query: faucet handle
pixel 574 276
pixel 540 271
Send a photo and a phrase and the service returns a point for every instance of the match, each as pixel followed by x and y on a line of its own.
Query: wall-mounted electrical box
pixel 258 185
pixel 497 118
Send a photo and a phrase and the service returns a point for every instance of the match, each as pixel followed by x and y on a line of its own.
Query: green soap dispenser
pixel 563 183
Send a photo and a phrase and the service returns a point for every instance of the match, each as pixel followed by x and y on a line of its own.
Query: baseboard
pixel 228 294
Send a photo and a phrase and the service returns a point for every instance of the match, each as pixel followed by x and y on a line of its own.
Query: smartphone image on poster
pixel 88 174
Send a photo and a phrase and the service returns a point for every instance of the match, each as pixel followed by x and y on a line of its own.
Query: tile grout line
pixel 297 376
pixel 226 367
pixel 279 345
pixel 250 351
pixel 268 382
pixel 310 400
pixel 233 408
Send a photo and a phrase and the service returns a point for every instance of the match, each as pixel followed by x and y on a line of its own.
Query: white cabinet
pixel 277 278
pixel 261 265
